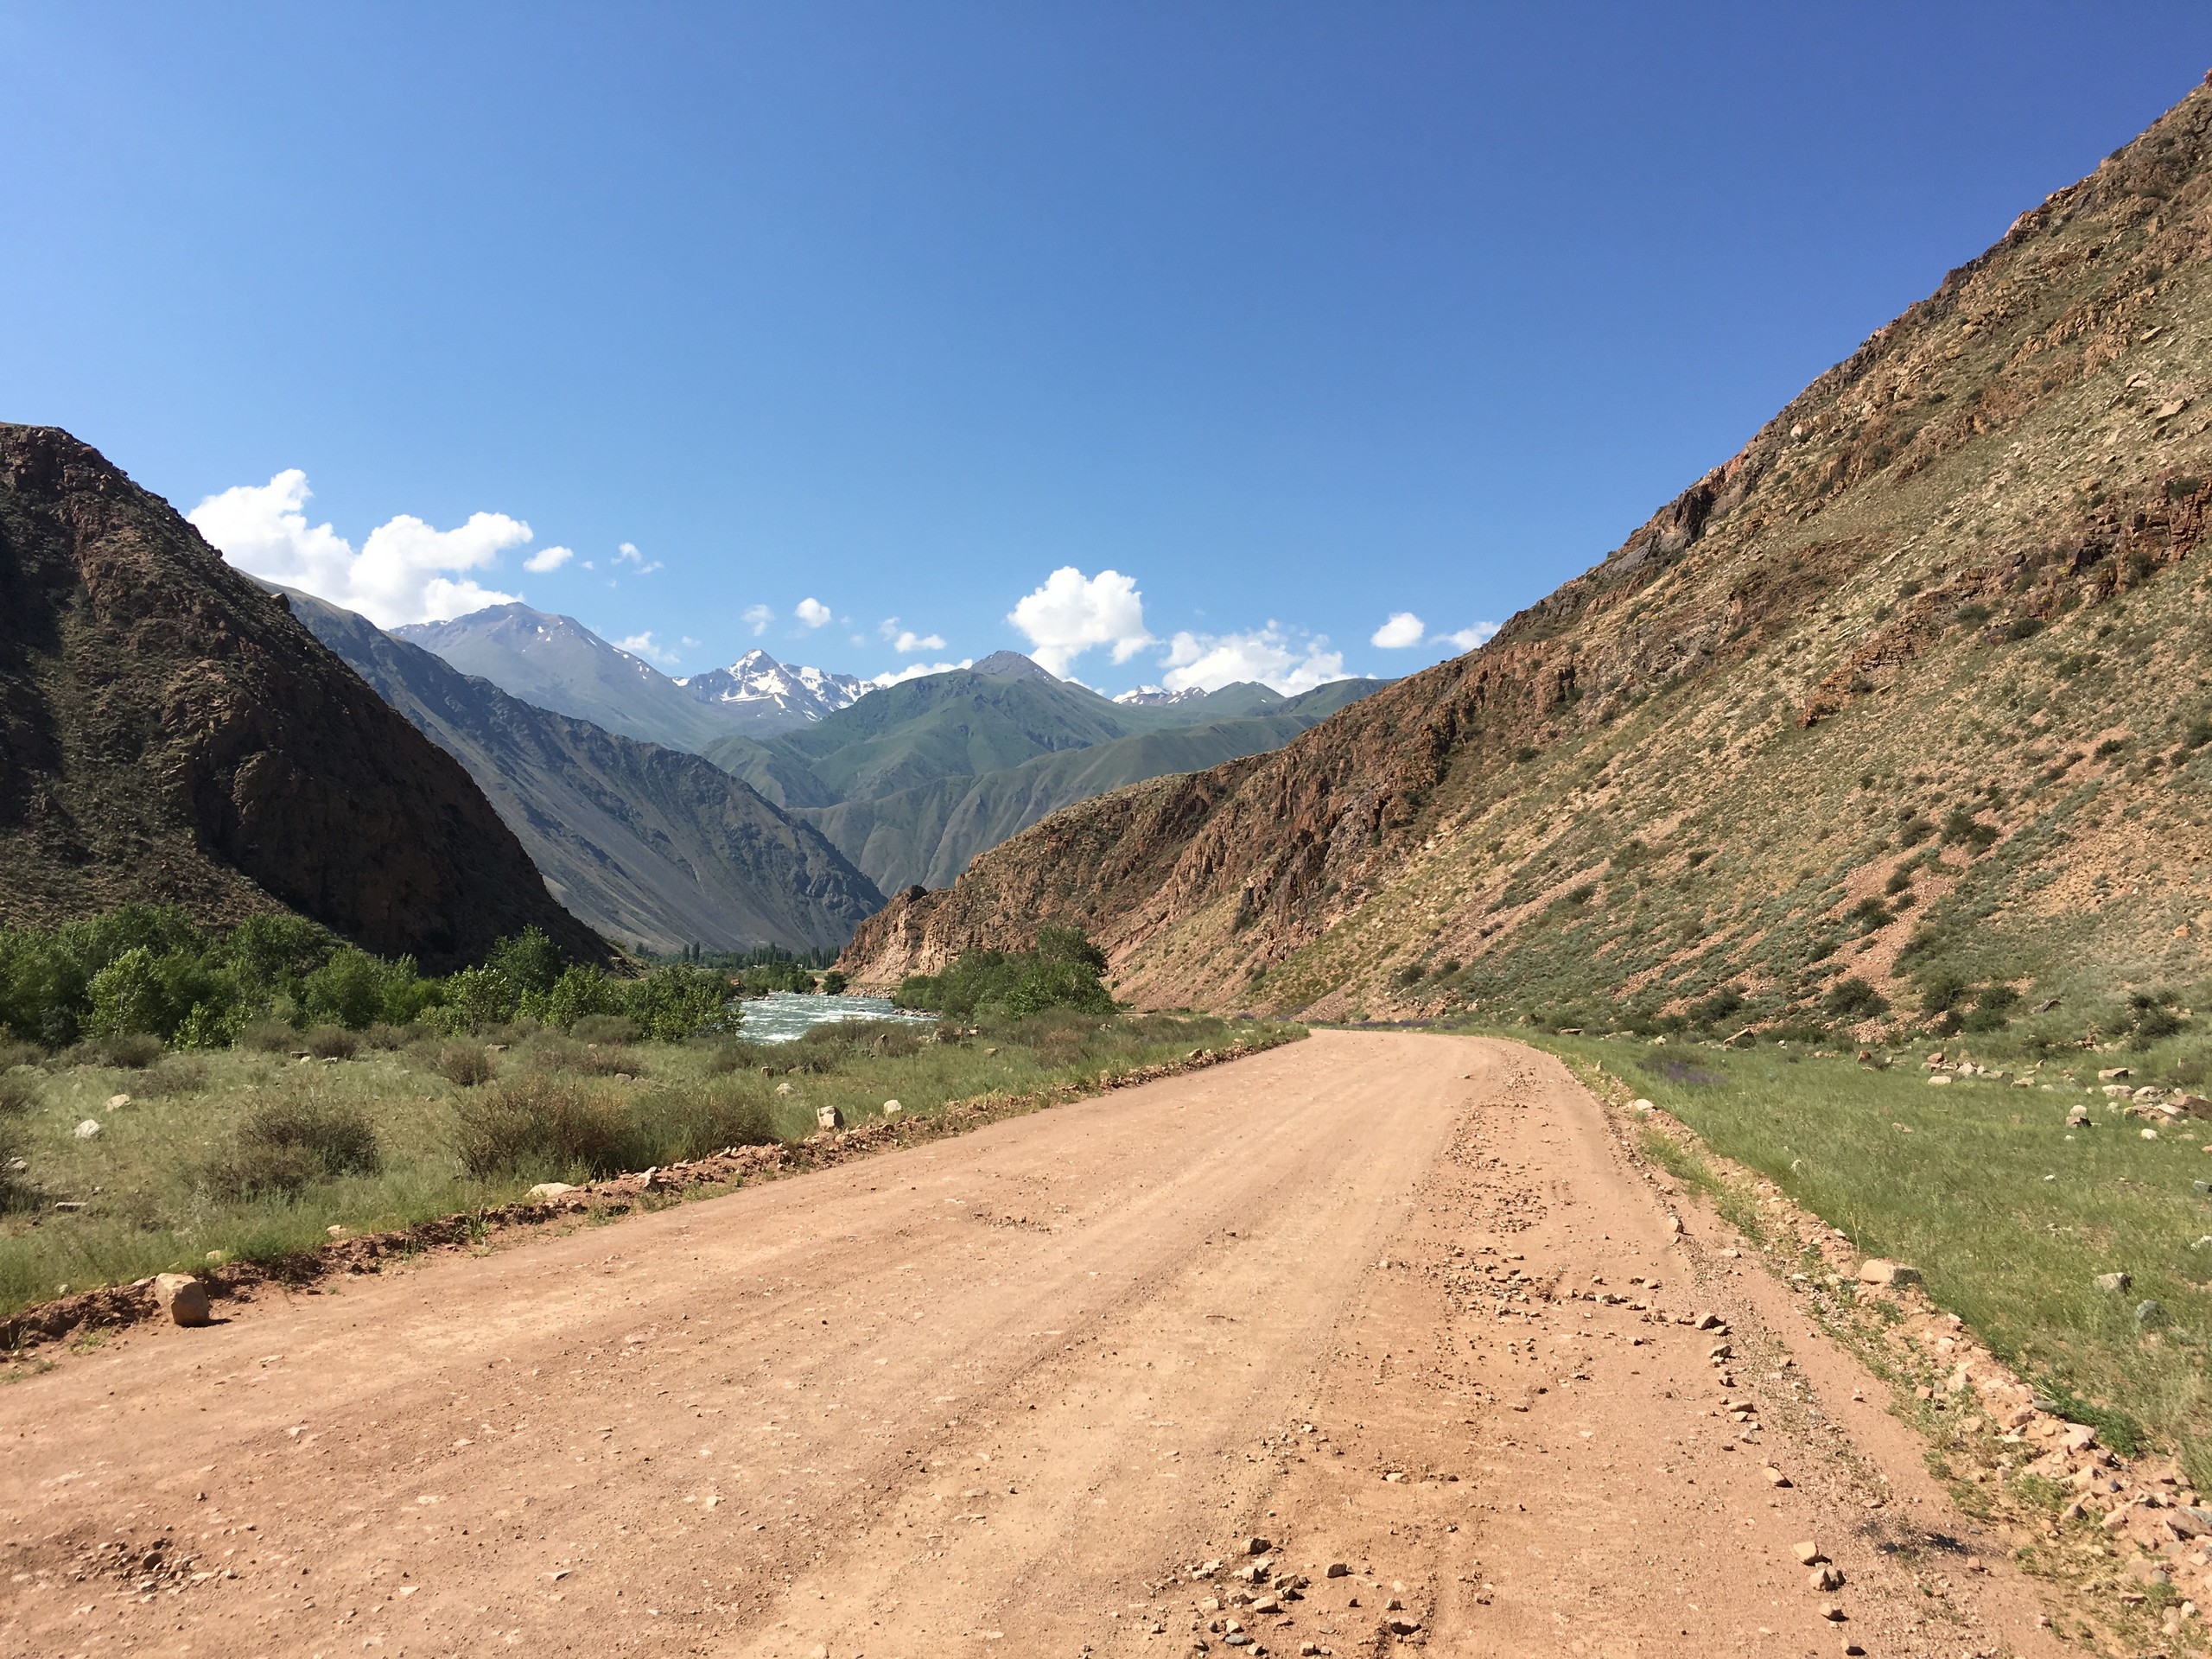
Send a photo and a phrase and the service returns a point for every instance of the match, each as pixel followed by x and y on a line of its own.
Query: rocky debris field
pixel 1375 1341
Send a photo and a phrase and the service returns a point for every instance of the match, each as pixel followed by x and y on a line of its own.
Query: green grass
pixel 152 1191
pixel 2008 1214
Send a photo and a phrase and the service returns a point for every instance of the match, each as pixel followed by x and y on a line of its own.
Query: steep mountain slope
pixel 169 733
pixel 1912 694
pixel 766 695
pixel 557 662
pixel 644 843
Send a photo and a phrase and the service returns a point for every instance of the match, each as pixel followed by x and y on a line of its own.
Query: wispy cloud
pixel 757 618
pixel 401 574
pixel 628 554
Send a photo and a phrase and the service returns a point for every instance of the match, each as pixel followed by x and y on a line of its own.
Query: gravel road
pixel 1034 1391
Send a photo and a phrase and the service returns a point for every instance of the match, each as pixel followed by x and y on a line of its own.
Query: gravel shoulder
pixel 1007 1392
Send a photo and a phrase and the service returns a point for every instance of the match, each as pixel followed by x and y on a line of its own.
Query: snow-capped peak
pixel 1157 694
pixel 756 677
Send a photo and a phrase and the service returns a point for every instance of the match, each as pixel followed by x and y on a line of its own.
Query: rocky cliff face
pixel 169 731
pixel 1916 684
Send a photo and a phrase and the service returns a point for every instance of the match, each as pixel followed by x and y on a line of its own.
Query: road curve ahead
pixel 1002 1393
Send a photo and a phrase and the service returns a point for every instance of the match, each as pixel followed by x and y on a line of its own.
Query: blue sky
pixel 1295 318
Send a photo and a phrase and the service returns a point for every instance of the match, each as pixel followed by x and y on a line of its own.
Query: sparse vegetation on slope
pixel 1906 705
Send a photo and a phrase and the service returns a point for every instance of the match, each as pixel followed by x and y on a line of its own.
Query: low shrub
pixel 690 1124
pixel 604 1028
pixel 738 1057
pixel 269 1037
pixel 1960 826
pixel 332 1043
pixel 16 1054
pixel 386 1035
pixel 127 1050
pixel 179 1074
pixel 466 1065
pixel 1853 999
pixel 1711 1010
pixel 287 1146
pixel 542 1123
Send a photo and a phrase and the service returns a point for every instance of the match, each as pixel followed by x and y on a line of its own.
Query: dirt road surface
pixel 1004 1394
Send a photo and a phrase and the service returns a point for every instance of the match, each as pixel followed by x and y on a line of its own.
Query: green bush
pixel 604 1028
pixel 1962 826
pixel 130 1051
pixel 1063 970
pixel 543 1124
pixel 581 994
pixel 1853 999
pixel 269 1037
pixel 678 1000
pixel 464 1064
pixel 285 1147
pixel 332 1043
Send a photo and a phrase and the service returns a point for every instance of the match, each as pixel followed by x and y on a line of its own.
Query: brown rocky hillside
pixel 1916 691
pixel 169 733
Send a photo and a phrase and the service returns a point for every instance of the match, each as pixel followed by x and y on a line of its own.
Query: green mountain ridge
pixel 912 781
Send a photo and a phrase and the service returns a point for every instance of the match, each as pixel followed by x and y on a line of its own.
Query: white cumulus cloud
pixel 549 558
pixel 813 612
pixel 643 645
pixel 909 641
pixel 1403 629
pixel 1271 655
pixel 915 671
pixel 1465 638
pixel 757 618
pixel 1072 613
pixel 401 574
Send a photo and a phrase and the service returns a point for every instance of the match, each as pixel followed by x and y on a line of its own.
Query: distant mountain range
pixel 557 662
pixel 915 779
pixel 909 782
pixel 647 844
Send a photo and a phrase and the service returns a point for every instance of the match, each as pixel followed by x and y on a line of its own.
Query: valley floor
pixel 1002 1393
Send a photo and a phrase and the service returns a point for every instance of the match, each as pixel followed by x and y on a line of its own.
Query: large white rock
pixel 545 1192
pixel 183 1297
pixel 87 1130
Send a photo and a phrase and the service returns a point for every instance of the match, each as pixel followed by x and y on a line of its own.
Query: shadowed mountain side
pixel 1909 702
pixel 643 843
pixel 171 734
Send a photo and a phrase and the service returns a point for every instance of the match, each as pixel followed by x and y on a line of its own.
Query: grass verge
pixel 247 1157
